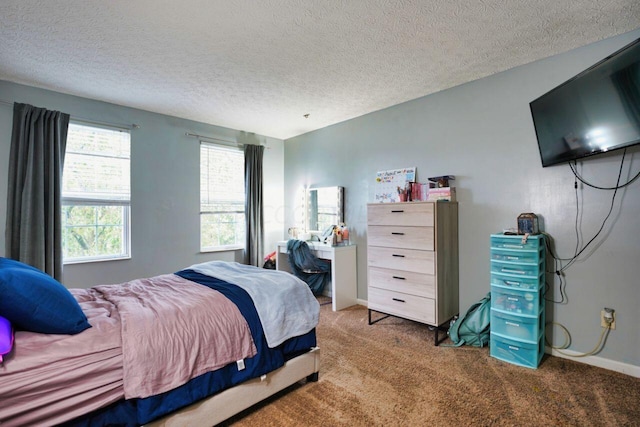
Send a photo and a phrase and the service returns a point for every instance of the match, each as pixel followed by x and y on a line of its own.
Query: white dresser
pixel 412 258
pixel 344 277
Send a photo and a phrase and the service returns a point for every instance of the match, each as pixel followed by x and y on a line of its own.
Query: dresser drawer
pixel 533 283
pixel 402 259
pixel 401 237
pixel 516 301
pixel 402 305
pixel 516 256
pixel 403 214
pixel 517 327
pixel 418 284
pixel 515 242
pixel 518 352
pixel 517 269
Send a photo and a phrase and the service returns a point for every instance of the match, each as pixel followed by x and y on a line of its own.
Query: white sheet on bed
pixel 285 304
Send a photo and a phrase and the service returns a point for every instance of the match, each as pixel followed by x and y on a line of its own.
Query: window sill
pixel 222 249
pixel 91 260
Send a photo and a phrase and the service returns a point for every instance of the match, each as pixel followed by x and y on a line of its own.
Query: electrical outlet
pixel 608 318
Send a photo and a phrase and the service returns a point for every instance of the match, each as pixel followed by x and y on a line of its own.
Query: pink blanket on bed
pixel 147 337
pixel 168 321
pixel 51 378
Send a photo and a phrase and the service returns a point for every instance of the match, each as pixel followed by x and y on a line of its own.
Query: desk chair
pixel 306 266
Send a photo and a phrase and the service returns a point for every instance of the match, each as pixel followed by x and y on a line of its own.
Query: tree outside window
pixel 96 192
pixel 222 198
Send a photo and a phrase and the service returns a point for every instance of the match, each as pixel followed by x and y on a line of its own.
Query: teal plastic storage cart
pixel 517 299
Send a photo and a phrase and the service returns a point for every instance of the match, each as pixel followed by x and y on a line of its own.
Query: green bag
pixel 473 328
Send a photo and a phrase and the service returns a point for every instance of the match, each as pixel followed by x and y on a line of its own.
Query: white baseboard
pixel 600 362
pixel 612 365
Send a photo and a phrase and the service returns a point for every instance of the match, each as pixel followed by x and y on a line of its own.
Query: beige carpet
pixel 391 374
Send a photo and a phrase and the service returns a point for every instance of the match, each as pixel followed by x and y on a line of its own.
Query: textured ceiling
pixel 259 66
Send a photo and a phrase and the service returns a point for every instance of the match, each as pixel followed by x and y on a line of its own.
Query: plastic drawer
pixel 518 327
pixel 516 256
pixel 515 242
pixel 516 352
pixel 517 282
pixel 516 301
pixel 515 269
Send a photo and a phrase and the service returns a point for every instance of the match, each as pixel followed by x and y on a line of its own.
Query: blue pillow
pixel 8 262
pixel 36 302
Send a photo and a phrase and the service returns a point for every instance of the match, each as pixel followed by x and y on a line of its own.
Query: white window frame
pixel 101 201
pixel 203 212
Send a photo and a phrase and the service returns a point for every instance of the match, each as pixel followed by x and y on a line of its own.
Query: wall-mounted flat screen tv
pixel 594 112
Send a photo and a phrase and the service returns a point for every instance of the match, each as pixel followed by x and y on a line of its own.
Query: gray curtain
pixel 33 230
pixel 253 205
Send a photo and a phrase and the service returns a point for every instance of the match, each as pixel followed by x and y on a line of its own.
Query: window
pixel 222 217
pixel 96 192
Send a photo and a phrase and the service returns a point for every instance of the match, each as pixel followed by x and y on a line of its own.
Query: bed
pixel 190 348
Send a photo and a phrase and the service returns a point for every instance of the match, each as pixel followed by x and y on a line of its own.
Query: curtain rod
pixel 210 138
pixel 219 140
pixel 90 121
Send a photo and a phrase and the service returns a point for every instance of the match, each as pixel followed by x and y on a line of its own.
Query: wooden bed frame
pixel 221 406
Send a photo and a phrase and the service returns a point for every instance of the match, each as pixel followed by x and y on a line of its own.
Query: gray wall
pixel 482 133
pixel 165 183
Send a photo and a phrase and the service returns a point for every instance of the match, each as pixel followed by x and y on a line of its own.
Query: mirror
pixel 325 207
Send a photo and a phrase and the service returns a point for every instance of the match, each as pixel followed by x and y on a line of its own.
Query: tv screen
pixel 594 112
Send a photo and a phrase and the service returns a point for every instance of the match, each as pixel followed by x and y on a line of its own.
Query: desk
pixel 344 279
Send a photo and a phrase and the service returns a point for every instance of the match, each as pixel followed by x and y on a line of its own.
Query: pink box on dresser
pixel 441 193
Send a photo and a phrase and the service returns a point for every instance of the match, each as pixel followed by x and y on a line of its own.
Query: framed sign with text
pixel 389 182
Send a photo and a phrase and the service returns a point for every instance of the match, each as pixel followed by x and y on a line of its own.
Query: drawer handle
pixel 398 299
pixel 512 347
pixel 397 211
pixel 511 270
pixel 511 323
pixel 395 233
pixel 399 278
pixel 511 283
pixel 398 256
pixel 513 299
pixel 506 245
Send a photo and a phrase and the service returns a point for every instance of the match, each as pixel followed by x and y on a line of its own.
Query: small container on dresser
pixel 517 299
pixel 412 258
